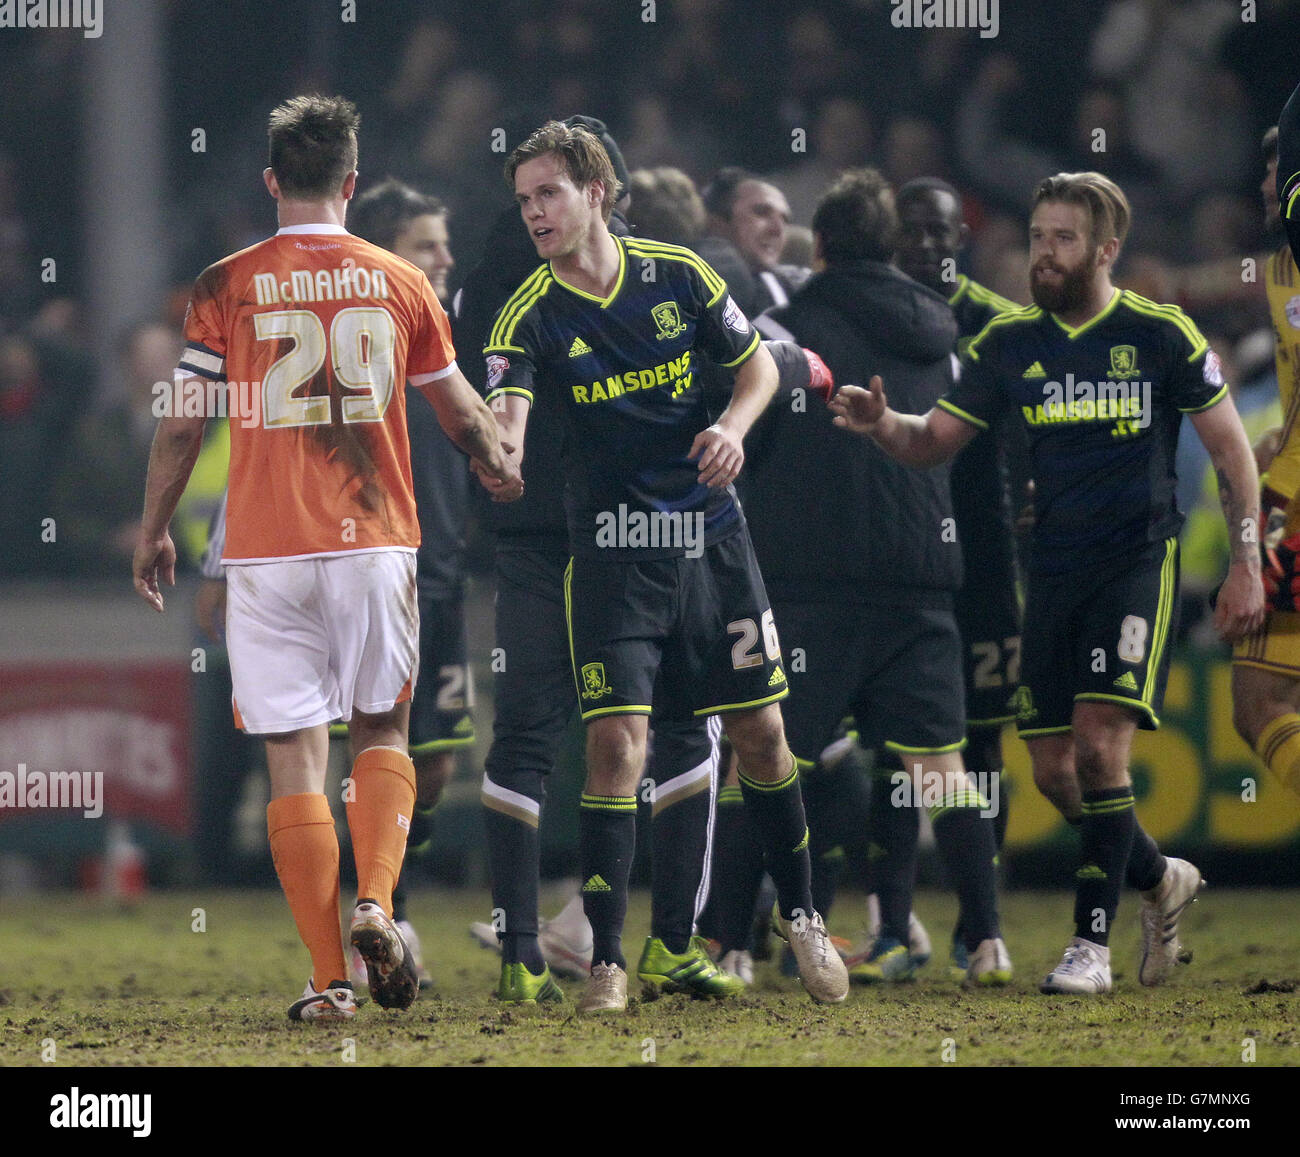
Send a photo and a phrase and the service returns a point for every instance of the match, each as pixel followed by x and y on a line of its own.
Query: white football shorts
pixel 312 639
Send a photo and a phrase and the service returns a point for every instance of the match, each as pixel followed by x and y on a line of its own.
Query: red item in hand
pixel 820 379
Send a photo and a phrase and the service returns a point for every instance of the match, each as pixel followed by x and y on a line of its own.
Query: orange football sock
pixel 379 816
pixel 306 854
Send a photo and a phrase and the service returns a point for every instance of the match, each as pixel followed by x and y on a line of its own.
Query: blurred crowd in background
pixel 1168 97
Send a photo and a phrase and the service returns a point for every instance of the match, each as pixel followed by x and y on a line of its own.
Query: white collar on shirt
pixel 322 228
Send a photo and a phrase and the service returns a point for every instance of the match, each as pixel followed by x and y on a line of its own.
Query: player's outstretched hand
pixel 720 455
pixel 1240 608
pixel 154 560
pixel 856 409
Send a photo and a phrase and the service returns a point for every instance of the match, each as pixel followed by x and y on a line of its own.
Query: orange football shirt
pixel 315 333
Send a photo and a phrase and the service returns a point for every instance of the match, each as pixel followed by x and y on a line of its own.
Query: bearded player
pixel 1103 561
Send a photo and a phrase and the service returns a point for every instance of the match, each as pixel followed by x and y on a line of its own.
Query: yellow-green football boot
pixel 690 971
pixel 519 986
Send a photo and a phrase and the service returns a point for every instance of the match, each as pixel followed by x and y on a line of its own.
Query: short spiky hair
pixel 1108 210
pixel 920 186
pixel 384 210
pixel 855 219
pixel 581 155
pixel 313 145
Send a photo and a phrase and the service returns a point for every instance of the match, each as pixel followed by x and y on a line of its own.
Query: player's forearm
pixel 1234 466
pixel 908 438
pixel 1220 431
pixel 466 420
pixel 480 436
pixel 510 412
pixel 756 385
pixel 176 445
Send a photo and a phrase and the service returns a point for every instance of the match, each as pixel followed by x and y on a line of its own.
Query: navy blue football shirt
pixel 625 371
pixel 1101 405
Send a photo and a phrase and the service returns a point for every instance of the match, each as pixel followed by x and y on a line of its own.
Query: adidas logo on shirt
pixel 1035 371
pixel 579 348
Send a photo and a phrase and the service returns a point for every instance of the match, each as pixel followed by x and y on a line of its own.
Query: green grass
pixel 142 988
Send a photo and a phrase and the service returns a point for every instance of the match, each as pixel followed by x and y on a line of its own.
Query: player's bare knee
pixel 1259 697
pixel 758 738
pixel 380 729
pixel 1101 761
pixel 1245 718
pixel 615 754
pixel 1054 780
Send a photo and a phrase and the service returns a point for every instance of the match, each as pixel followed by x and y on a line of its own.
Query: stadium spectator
pixel 98 493
pixel 46 381
pixel 840 136
pixel 1164 58
pixel 750 216
pixel 656 140
pixel 913 147
pixel 665 206
pixel 1005 167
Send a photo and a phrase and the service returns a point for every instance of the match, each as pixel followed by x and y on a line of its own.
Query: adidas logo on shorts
pixel 596 884
pixel 1126 682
